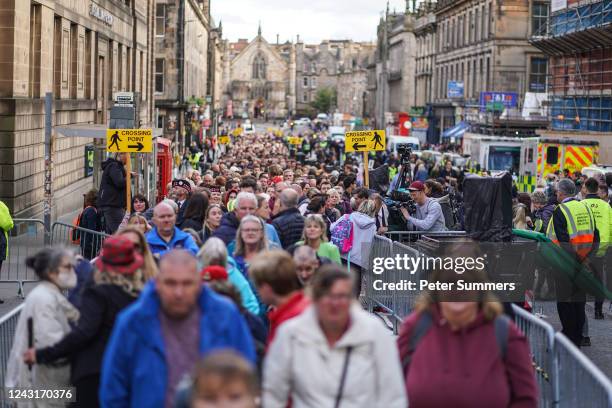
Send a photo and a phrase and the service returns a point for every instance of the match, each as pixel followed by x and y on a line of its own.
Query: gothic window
pixel 259 67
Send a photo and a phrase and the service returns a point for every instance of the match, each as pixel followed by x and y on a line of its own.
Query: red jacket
pixel 294 306
pixel 464 368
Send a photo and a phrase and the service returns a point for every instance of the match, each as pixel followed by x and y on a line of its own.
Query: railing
pixel 410 237
pixel 29 236
pixel 8 326
pixel 580 382
pixel 541 336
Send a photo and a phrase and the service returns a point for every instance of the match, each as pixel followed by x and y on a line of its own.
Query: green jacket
pixel 6 223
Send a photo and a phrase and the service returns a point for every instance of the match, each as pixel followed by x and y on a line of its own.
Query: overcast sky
pixel 313 20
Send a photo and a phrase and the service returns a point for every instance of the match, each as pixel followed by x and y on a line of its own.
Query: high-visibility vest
pixel 392 172
pixel 580 227
pixel 602 212
pixel 194 159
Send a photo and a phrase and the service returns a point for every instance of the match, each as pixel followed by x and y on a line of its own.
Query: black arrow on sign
pixel 138 146
pixel 357 146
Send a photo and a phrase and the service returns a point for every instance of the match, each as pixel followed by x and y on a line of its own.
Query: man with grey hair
pixel 289 223
pixel 175 322
pixel 572 227
pixel 166 236
pixel 306 263
pixel 246 204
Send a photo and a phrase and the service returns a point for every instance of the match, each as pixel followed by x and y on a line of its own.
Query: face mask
pixel 67 280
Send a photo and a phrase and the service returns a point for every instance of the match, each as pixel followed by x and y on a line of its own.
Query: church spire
pixel 259 29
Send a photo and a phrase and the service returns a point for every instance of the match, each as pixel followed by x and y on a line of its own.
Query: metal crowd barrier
pixel 404 301
pixel 89 241
pixel 541 336
pixel 381 248
pixel 411 237
pixel 29 236
pixel 580 382
pixel 8 326
pixel 26 238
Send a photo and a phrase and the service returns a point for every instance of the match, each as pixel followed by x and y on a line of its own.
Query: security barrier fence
pixel 29 236
pixel 565 376
pixel 8 326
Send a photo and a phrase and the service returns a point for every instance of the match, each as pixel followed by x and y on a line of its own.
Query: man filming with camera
pixel 428 216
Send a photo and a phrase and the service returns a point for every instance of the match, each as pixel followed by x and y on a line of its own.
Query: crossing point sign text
pixel 365 141
pixel 129 140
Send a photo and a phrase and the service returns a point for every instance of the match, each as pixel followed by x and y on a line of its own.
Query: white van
pixel 394 141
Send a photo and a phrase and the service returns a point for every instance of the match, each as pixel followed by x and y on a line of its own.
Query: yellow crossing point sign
pixel 365 141
pixel 295 140
pixel 129 140
pixel 237 132
pixel 224 139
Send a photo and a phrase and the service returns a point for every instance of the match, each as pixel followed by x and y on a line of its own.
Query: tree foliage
pixel 324 100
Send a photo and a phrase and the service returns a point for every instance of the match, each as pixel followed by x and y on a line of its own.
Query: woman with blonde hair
pixel 135 235
pixel 315 236
pixel 457 334
pixel 250 240
pixel 139 221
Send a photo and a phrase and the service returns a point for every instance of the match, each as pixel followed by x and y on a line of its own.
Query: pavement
pixel 600 332
pixel 20 247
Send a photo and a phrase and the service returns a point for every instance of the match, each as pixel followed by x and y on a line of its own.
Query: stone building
pixel 259 79
pixel 484 45
pixel 321 65
pixel 352 83
pixel 396 65
pixel 425 33
pixel 83 52
pixel 182 34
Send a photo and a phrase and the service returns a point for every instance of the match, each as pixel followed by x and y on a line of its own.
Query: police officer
pixel 572 227
pixel 602 212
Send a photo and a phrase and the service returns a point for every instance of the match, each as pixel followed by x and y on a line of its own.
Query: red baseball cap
pixel 417 186
pixel 214 272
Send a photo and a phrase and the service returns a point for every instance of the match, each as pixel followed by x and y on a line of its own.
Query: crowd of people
pixel 232 289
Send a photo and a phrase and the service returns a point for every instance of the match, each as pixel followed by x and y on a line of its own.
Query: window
pixel 313 67
pixel 539 18
pixel 490 25
pixel 552 155
pixel 305 82
pixel 537 74
pixel 476 25
pixel 159 75
pixel 313 82
pixel 259 67
pixel 305 97
pixel 470 30
pixel 160 20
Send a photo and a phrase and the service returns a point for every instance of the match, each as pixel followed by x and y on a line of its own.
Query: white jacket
pixel 300 364
pixel 364 229
pixel 51 312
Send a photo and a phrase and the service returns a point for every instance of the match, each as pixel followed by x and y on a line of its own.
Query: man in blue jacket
pixel 166 236
pixel 158 339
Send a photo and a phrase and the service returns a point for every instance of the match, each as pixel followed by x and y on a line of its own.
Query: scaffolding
pixel 578 42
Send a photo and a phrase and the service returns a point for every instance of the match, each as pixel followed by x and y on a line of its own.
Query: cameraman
pixel 429 216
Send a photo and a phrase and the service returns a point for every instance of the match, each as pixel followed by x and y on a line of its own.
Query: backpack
pixel 424 322
pixel 342 235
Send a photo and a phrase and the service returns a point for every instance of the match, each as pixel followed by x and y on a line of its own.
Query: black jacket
pixel 289 224
pixel 85 344
pixel 90 243
pixel 192 223
pixel 112 186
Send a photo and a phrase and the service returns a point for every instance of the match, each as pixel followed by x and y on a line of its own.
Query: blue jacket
pixel 226 231
pixel 134 370
pixel 249 301
pixel 180 239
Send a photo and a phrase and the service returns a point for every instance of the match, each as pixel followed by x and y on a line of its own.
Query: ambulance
pixel 558 154
pixel 497 154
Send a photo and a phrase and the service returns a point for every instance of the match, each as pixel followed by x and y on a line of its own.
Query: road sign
pixel 295 140
pixel 224 139
pixel 237 132
pixel 124 98
pixel 365 141
pixel 129 140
